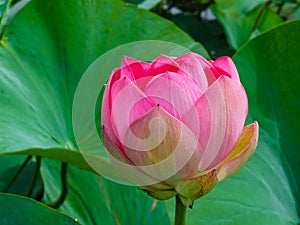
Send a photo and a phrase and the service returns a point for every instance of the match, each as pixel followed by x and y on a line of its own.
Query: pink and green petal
pixel 160 141
pixel 228 105
pixel 115 151
pixel 146 146
pixel 241 152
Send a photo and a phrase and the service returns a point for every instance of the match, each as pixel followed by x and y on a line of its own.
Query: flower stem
pixel 260 13
pixel 180 213
pixel 64 183
pixel 13 179
pixel 34 177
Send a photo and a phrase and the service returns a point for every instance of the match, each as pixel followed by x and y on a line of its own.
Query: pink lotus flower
pixel 186 107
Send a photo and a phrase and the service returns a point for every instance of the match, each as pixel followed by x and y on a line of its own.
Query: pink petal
pixel 199 120
pixel 190 167
pixel 161 143
pixel 140 108
pixel 115 151
pixel 128 104
pixel 106 109
pixel 144 138
pixel 160 65
pixel 198 69
pixel 174 92
pixel 132 68
pixel 222 113
pixel 241 152
pixel 226 67
pixel 142 82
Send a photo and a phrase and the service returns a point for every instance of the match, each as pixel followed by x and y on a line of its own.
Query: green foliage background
pixel 46 47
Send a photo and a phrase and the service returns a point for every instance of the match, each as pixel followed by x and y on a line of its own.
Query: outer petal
pixel 106 109
pixel 198 69
pixel 161 142
pixel 241 153
pixel 152 138
pixel 228 107
pixel 174 92
pixel 226 67
pixel 114 151
pixel 128 104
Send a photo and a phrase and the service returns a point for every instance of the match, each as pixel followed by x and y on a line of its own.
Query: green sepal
pixel 160 194
pixel 194 188
pixel 186 202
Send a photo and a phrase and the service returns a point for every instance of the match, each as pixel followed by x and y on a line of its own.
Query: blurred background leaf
pixel 146 4
pixel 41 66
pixel 287 9
pixel 240 20
pixel 4 6
pixel 209 32
pixel 244 19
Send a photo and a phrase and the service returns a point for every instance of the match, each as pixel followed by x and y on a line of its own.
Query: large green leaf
pixel 270 70
pixel 265 191
pixel 239 17
pixel 43 53
pixel 20 210
pixel 93 200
